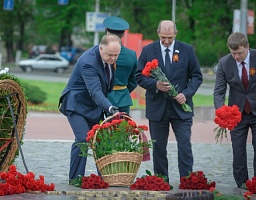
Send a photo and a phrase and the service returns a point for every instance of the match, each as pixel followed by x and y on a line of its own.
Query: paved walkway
pixel 48 140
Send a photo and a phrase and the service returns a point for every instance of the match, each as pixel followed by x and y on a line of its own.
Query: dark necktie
pixel 247 107
pixel 107 71
pixel 167 59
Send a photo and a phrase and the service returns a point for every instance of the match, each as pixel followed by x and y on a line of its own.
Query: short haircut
pixel 106 39
pixel 172 26
pixel 237 39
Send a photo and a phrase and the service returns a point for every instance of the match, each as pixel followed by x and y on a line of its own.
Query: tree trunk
pixel 21 38
pixel 9 44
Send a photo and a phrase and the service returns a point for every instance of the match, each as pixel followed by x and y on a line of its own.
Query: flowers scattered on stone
pixel 13 182
pixel 151 182
pixel 89 182
pixel 247 195
pixel 196 181
pixel 251 185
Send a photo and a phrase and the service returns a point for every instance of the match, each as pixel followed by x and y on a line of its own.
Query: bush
pixel 34 94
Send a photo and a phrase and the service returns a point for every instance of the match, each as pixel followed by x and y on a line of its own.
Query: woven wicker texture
pixel 18 102
pixel 119 169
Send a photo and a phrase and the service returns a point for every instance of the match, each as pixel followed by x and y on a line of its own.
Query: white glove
pixel 113 110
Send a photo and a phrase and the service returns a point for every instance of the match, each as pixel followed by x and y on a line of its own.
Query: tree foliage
pixel 206 24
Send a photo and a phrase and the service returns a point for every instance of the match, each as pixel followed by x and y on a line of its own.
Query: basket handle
pixel 117 115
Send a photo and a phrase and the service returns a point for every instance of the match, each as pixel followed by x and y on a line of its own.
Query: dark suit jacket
pixel 87 87
pixel 185 74
pixel 227 73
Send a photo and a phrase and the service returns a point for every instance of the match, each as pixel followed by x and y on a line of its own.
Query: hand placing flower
pixel 227 117
pixel 152 70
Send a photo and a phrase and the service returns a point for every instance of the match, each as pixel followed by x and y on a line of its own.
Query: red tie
pixel 247 107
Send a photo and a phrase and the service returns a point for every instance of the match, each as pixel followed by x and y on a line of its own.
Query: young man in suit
pixel 126 66
pixel 180 65
pixel 84 99
pixel 237 70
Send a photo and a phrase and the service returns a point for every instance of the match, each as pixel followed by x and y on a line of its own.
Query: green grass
pixel 203 100
pixel 54 89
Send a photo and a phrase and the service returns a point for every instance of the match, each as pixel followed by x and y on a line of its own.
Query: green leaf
pixel 148 172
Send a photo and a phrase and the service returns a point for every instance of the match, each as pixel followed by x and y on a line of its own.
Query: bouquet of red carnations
pixel 152 70
pixel 196 181
pixel 227 117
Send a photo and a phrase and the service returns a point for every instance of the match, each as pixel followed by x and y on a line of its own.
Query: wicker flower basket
pixel 120 168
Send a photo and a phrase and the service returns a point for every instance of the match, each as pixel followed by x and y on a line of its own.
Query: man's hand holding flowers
pixel 163 86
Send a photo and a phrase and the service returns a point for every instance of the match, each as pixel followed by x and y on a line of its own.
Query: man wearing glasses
pixel 237 70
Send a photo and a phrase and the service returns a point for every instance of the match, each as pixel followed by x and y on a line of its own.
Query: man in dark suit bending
pixel 84 100
pixel 179 63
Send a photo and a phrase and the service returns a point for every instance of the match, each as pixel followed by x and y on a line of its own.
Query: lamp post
pixel 243 17
pixel 96 33
pixel 173 10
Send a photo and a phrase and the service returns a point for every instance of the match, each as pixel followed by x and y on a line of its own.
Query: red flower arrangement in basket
pixel 118 147
pixel 196 181
pixel 120 134
pixel 227 117
pixel 13 182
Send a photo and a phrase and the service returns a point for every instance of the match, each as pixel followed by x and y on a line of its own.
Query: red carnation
pixel 227 117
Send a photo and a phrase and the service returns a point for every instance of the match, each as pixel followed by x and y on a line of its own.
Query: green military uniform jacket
pixel 125 82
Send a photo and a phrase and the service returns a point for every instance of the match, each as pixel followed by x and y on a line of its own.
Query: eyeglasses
pixel 238 53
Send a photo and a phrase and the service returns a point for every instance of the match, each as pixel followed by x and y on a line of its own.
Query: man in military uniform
pixel 126 66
